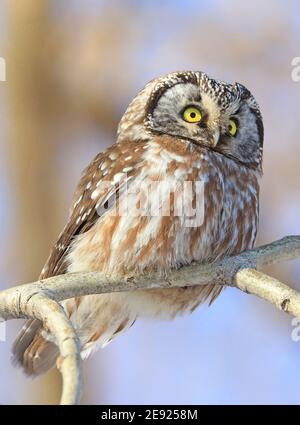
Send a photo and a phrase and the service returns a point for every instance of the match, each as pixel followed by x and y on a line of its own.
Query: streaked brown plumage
pixel 155 144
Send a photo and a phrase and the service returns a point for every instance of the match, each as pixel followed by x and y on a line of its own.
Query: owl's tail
pixel 32 351
pixel 98 319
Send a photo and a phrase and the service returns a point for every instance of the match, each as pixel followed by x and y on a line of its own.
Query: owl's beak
pixel 216 137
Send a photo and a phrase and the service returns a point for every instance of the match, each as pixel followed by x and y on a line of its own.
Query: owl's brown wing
pixel 82 217
pixel 100 186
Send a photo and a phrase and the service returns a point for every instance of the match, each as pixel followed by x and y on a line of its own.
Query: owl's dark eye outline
pixel 233 127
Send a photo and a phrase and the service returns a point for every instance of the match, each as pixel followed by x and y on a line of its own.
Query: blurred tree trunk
pixel 32 152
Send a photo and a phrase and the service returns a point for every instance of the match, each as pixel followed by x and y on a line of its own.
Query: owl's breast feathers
pixel 133 212
pixel 124 221
pixel 135 206
pixel 135 209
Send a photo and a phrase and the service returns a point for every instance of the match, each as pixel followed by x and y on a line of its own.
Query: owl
pixel 186 142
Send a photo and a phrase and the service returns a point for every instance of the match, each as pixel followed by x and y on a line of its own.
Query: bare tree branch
pixel 270 289
pixel 41 299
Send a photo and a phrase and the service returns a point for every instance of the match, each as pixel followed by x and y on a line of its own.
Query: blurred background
pixel 72 67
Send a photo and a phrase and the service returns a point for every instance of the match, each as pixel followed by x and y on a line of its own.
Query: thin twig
pixel 269 289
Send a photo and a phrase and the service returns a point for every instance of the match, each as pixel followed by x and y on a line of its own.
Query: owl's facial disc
pixel 182 112
pixel 216 115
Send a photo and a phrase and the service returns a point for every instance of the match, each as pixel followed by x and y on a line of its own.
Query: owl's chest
pixel 176 210
pixel 213 211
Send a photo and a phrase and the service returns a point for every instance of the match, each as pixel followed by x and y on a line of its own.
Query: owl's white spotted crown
pixel 224 93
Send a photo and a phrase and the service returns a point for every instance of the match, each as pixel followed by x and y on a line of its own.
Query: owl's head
pixel 189 105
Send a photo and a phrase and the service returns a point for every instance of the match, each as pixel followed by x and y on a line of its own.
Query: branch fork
pixel 40 300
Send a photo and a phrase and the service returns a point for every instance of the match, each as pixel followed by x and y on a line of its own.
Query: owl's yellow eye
pixel 192 114
pixel 233 127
